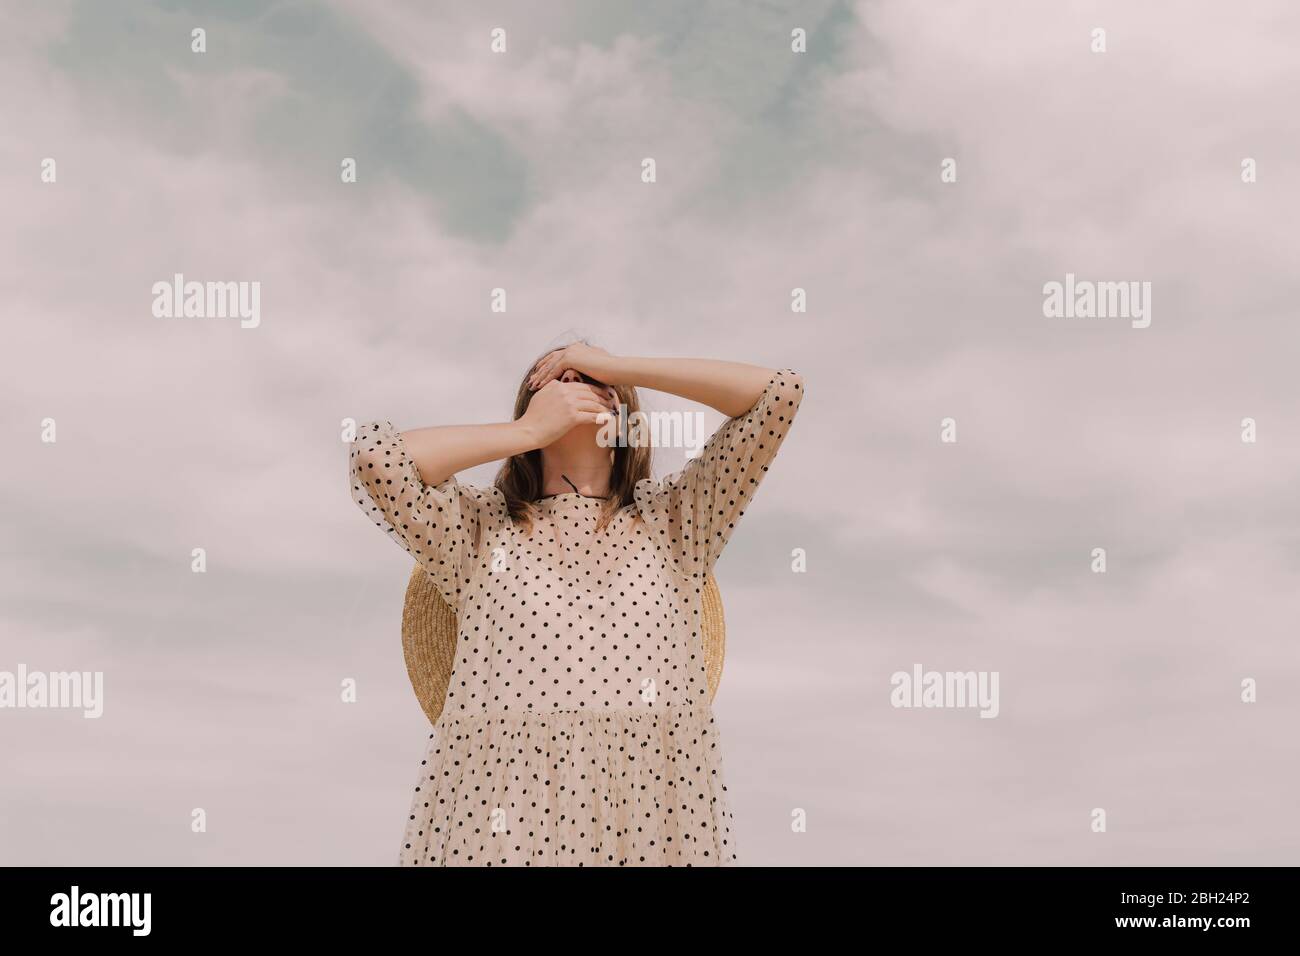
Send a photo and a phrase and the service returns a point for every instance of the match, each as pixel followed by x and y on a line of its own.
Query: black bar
pixel 976 905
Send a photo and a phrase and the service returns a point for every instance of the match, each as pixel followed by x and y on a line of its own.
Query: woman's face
pixel 580 436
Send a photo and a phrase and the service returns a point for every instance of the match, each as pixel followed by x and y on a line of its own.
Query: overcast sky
pixel 775 170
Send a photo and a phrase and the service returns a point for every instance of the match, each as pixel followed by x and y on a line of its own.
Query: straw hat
pixel 429 639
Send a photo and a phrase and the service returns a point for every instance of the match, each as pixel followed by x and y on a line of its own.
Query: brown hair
pixel 520 477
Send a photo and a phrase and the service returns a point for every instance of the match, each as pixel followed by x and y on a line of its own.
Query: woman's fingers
pixel 546 358
pixel 545 369
pixel 605 396
pixel 535 374
pixel 588 398
pixel 588 391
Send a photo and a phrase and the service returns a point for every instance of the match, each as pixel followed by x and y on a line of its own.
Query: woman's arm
pixel 730 387
pixel 441 451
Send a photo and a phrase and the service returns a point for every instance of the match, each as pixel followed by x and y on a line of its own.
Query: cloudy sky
pixel 776 170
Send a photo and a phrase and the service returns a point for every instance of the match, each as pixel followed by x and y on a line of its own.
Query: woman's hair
pixel 520 477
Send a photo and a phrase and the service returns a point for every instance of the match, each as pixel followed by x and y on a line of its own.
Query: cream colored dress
pixel 577 728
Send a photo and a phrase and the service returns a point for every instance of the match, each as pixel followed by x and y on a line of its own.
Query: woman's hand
pixel 730 387
pixel 560 406
pixel 582 358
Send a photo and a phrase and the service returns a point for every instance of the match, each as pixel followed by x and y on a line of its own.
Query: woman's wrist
pixel 521 437
pixel 611 369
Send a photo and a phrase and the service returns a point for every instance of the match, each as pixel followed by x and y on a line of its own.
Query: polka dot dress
pixel 577 728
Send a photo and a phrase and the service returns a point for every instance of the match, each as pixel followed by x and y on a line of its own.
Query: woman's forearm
pixel 730 387
pixel 442 450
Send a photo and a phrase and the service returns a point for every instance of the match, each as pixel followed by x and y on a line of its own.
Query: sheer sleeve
pixel 693 512
pixel 448 528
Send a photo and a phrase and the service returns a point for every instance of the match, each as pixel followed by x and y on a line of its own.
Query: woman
pixel 577 727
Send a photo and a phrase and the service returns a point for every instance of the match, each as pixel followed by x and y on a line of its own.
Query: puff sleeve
pixel 693 512
pixel 449 528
